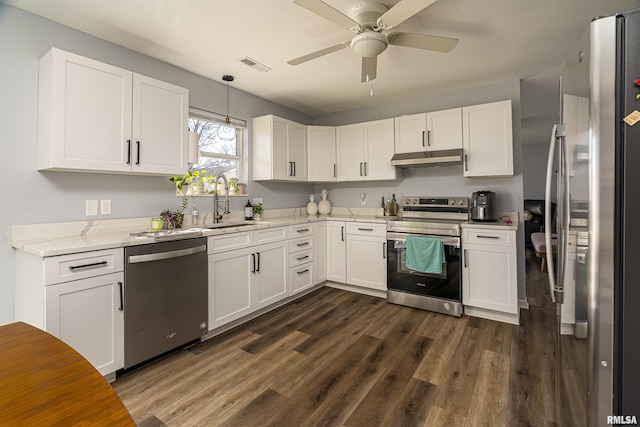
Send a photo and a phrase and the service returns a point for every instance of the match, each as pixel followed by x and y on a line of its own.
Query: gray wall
pixel 442 181
pixel 30 196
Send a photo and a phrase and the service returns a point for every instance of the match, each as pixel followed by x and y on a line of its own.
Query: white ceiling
pixel 499 40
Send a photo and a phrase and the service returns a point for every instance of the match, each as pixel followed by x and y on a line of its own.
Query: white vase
pixel 324 206
pixel 312 206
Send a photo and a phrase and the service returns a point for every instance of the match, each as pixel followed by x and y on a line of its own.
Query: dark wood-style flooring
pixel 336 358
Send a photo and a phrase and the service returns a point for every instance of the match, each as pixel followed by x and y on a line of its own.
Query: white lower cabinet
pixel 367 255
pixel 336 251
pixel 244 280
pixel 301 257
pixel 320 252
pixel 77 298
pixel 489 274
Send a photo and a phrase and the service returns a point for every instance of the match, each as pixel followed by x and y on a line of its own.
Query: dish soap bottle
pixel 248 211
pixel 194 215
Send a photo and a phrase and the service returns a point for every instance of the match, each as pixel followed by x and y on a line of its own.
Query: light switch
pixel 91 207
pixel 105 207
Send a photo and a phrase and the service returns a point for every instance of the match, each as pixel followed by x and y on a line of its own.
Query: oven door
pixel 447 285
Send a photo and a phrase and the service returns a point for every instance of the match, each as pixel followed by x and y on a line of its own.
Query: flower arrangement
pixel 174 219
pixel 257 211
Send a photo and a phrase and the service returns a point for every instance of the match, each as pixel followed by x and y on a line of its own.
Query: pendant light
pixel 227 131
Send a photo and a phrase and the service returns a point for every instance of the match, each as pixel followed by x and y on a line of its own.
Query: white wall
pixel 30 196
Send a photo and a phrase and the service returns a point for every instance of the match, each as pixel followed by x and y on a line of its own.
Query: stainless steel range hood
pixel 427 158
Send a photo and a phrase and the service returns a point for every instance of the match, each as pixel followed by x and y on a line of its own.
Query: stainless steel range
pixel 437 218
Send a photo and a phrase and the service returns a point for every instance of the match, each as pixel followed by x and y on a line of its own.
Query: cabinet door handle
pixel 424 139
pixel 334 170
pixel 302 257
pixel 384 250
pixel 253 263
pixel 121 308
pixel 365 229
pixel 303 271
pixel 360 168
pixel 429 138
pixel 487 237
pixel 92 265
pixel 258 269
pixel 465 258
pixel 138 152
pixel 342 233
pixel 303 230
pixel 465 163
pixel 290 168
pixel 365 168
pixel 294 168
pixel 128 151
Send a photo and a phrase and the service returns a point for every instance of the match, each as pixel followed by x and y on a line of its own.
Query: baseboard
pixel 523 304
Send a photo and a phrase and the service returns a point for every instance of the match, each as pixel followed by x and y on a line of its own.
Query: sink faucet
pixel 216 215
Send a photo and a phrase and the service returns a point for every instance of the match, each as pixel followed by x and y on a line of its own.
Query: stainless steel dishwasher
pixel 165 297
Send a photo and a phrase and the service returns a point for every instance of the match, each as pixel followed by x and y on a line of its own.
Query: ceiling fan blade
pixel 318 53
pixel 401 12
pixel 322 9
pixel 369 66
pixel 423 41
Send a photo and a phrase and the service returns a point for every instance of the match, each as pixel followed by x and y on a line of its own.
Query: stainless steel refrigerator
pixel 594 161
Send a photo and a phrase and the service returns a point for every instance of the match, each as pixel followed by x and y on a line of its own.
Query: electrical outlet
pixel 91 207
pixel 105 207
pixel 257 200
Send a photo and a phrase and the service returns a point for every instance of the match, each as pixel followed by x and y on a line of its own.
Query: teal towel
pixel 425 254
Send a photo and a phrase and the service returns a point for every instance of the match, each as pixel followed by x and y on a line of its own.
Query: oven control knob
pixel 461 202
pixel 415 201
pixel 452 202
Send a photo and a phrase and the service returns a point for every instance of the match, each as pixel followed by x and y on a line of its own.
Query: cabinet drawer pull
pixel 303 271
pixel 121 308
pixel 302 257
pixel 304 230
pixel 128 151
pixel 92 265
pixel 365 229
pixel 487 237
pixel 302 244
pixel 138 152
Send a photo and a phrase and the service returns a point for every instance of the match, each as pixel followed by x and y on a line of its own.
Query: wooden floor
pixel 336 358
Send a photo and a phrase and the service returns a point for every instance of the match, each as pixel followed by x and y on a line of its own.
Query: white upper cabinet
pixel 488 139
pixel 94 117
pixel 279 149
pixel 365 151
pixel 321 146
pixel 438 130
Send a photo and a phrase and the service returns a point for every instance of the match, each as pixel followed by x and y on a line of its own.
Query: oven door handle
pixel 447 241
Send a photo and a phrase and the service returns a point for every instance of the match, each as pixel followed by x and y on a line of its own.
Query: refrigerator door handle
pixel 547 213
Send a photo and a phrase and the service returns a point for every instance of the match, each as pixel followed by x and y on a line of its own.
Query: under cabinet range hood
pixel 427 158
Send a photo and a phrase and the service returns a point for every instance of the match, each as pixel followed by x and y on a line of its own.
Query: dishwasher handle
pixel 133 259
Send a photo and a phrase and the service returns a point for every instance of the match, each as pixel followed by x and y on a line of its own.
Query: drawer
pixel 367 229
pixel 297 245
pixel 300 230
pixel 489 237
pixel 301 278
pixel 300 257
pixel 270 235
pixel 227 242
pixel 66 268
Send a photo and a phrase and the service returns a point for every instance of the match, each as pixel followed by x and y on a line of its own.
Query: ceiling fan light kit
pixel 369 20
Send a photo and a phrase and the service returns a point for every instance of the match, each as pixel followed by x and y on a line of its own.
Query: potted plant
pixel 183 181
pixel 173 219
pixel 233 186
pixel 257 211
pixel 242 187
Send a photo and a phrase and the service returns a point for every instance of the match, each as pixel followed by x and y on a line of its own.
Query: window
pixel 219 152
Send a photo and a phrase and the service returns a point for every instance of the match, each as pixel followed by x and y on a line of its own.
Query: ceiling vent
pixel 255 64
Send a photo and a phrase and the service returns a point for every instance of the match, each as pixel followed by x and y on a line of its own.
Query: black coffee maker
pixel 483 206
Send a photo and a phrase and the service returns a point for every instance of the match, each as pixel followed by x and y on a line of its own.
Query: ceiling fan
pixel 368 20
